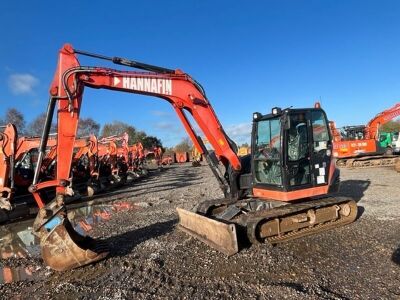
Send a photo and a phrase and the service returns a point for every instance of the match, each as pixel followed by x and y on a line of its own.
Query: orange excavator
pixel 358 146
pixel 114 159
pixel 84 147
pixel 17 161
pixel 196 157
pixel 18 157
pixel 136 160
pixel 8 145
pixel 277 193
pixel 84 168
pixel 158 155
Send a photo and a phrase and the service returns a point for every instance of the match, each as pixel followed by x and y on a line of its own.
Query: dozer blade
pixel 218 235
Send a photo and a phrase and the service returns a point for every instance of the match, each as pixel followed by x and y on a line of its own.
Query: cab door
pixel 321 148
pixel 266 154
pixel 298 167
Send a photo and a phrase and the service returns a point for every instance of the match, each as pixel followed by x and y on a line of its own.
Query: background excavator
pixel 359 146
pixel 136 160
pixel 196 157
pixel 277 193
pixel 18 156
pixel 113 159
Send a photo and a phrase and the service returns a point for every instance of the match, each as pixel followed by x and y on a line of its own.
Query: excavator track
pixel 298 220
pixel 397 166
pixel 368 161
pixel 225 225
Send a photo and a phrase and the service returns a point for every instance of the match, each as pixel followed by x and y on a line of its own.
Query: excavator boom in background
pixel 276 193
pixel 8 145
pixel 17 163
pixel 361 146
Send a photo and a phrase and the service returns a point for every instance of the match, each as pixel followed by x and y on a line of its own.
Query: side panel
pixel 291 195
pixel 353 148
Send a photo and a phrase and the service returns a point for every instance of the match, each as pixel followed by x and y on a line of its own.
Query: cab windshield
pixel 267 158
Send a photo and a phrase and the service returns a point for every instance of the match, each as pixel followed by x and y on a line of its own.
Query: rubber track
pixel 253 221
pixel 367 162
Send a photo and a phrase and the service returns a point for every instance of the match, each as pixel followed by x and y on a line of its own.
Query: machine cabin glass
pixel 291 150
pixel 321 148
pixel 267 154
pixel 298 150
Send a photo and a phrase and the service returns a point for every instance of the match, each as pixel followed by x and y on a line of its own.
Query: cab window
pixel 267 159
pixel 320 131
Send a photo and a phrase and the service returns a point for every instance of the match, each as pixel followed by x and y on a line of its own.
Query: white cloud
pixel 159 113
pixel 240 133
pixel 172 133
pixel 165 126
pixel 22 83
pixel 36 103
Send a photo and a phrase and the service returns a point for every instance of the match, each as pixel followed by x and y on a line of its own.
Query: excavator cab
pixel 291 149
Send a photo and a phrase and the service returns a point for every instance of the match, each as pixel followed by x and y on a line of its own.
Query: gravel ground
pixel 150 258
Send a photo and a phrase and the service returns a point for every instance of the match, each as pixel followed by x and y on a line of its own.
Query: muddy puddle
pixel 18 241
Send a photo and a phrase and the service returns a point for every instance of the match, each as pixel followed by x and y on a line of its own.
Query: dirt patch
pixel 150 258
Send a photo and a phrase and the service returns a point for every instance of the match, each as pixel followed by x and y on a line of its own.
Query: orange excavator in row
pixel 277 193
pixel 136 160
pixel 358 146
pixel 114 159
pixel 106 162
pixel 17 163
pixel 18 158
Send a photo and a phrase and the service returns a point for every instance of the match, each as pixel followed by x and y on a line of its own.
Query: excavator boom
pixel 66 91
pixel 8 141
pixel 373 126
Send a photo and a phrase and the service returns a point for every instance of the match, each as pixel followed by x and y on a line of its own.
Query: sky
pixel 248 55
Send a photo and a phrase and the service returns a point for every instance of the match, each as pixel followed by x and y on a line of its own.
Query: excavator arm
pixel 25 144
pixel 123 150
pixel 66 91
pixel 174 86
pixel 372 128
pixel 8 145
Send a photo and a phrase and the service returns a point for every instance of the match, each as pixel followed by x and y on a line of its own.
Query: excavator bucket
pixel 216 234
pixel 63 248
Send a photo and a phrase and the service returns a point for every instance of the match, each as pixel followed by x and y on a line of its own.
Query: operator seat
pixel 268 170
pixel 297 152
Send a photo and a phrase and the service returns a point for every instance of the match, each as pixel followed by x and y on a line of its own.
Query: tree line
pixel 86 126
pixel 391 126
pixel 186 144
